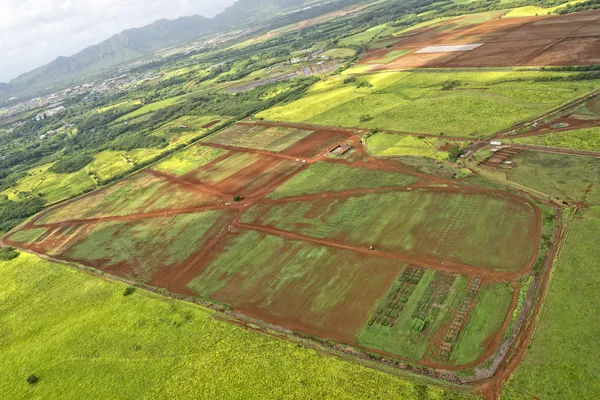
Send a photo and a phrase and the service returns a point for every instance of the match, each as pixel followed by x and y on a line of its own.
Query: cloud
pixel 35 32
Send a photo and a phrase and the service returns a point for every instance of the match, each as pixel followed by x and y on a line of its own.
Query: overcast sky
pixel 35 32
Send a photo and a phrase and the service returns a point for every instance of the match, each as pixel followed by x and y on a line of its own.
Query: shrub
pixel 350 79
pixel 236 198
pixel 70 164
pixel 129 291
pixel 364 84
pixel 32 379
pixel 8 253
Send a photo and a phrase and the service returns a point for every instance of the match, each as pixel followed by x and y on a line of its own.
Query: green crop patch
pixel 471 229
pixel 457 103
pixel 188 160
pixel 332 177
pixel 259 137
pixel 583 139
pixel 144 247
pixel 142 192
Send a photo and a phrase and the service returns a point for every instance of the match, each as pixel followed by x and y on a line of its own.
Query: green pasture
pixel 323 177
pixel 583 139
pixel 184 129
pixel 560 362
pixel 366 36
pixel 342 52
pixel 450 226
pixel 66 326
pixel 187 160
pixel 570 178
pixel 120 104
pixel 148 245
pixel 27 236
pixel 475 104
pixel 390 56
pixel 226 167
pixel 148 108
pixel 388 144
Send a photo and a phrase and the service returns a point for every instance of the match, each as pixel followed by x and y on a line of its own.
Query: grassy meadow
pixel 456 103
pixel 582 139
pixel 81 330
pixel 560 362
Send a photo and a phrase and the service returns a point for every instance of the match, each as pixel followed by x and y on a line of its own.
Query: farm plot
pixel 387 144
pixel 323 177
pixel 143 192
pixel 254 136
pixel 243 174
pixel 501 42
pixel 188 160
pixel 423 305
pixel 463 104
pixel 580 139
pixel 137 249
pixel 316 289
pixel 453 228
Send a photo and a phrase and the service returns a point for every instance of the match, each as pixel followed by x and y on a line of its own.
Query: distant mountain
pixel 244 10
pixel 135 43
pixel 123 47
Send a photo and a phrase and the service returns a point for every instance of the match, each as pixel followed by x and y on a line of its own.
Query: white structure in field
pixel 449 48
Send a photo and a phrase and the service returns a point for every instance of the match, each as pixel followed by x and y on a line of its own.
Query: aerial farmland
pixel 383 200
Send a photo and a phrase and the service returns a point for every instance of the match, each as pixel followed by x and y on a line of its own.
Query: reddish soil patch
pixel 211 123
pixel 316 143
pixel 572 39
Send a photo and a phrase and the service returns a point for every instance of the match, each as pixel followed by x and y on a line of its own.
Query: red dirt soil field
pixel 572 39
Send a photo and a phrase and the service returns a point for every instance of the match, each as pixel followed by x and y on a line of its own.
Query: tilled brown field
pixel 572 39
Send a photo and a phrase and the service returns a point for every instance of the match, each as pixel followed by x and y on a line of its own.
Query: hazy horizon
pixel 35 32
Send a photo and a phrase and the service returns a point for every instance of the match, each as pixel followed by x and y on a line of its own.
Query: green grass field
pixel 82 330
pixel 274 139
pixel 561 360
pixel 184 129
pixel 572 178
pixel 148 108
pixel 387 144
pixel 324 177
pixel 342 52
pixel 188 160
pixel 481 104
pixel 390 56
pixel 485 320
pixel 367 35
pixel 584 139
pixel 455 227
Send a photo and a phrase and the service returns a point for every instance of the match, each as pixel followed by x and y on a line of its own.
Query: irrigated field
pixel 458 103
pixel 359 250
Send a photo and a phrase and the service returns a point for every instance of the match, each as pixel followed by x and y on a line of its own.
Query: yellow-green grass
pixel 484 102
pixel 529 11
pixel 343 52
pixel 571 178
pixel 27 236
pixel 357 69
pixel 148 108
pixel 583 139
pixel 50 186
pixel 149 245
pixel 449 226
pixel 69 327
pixel 388 144
pixel 184 129
pixel 324 177
pixel 188 160
pixel 561 362
pixel 140 193
pixel 226 167
pixel 366 36
pixel 274 139
pixel 390 56
pixel 109 164
pixel 120 104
